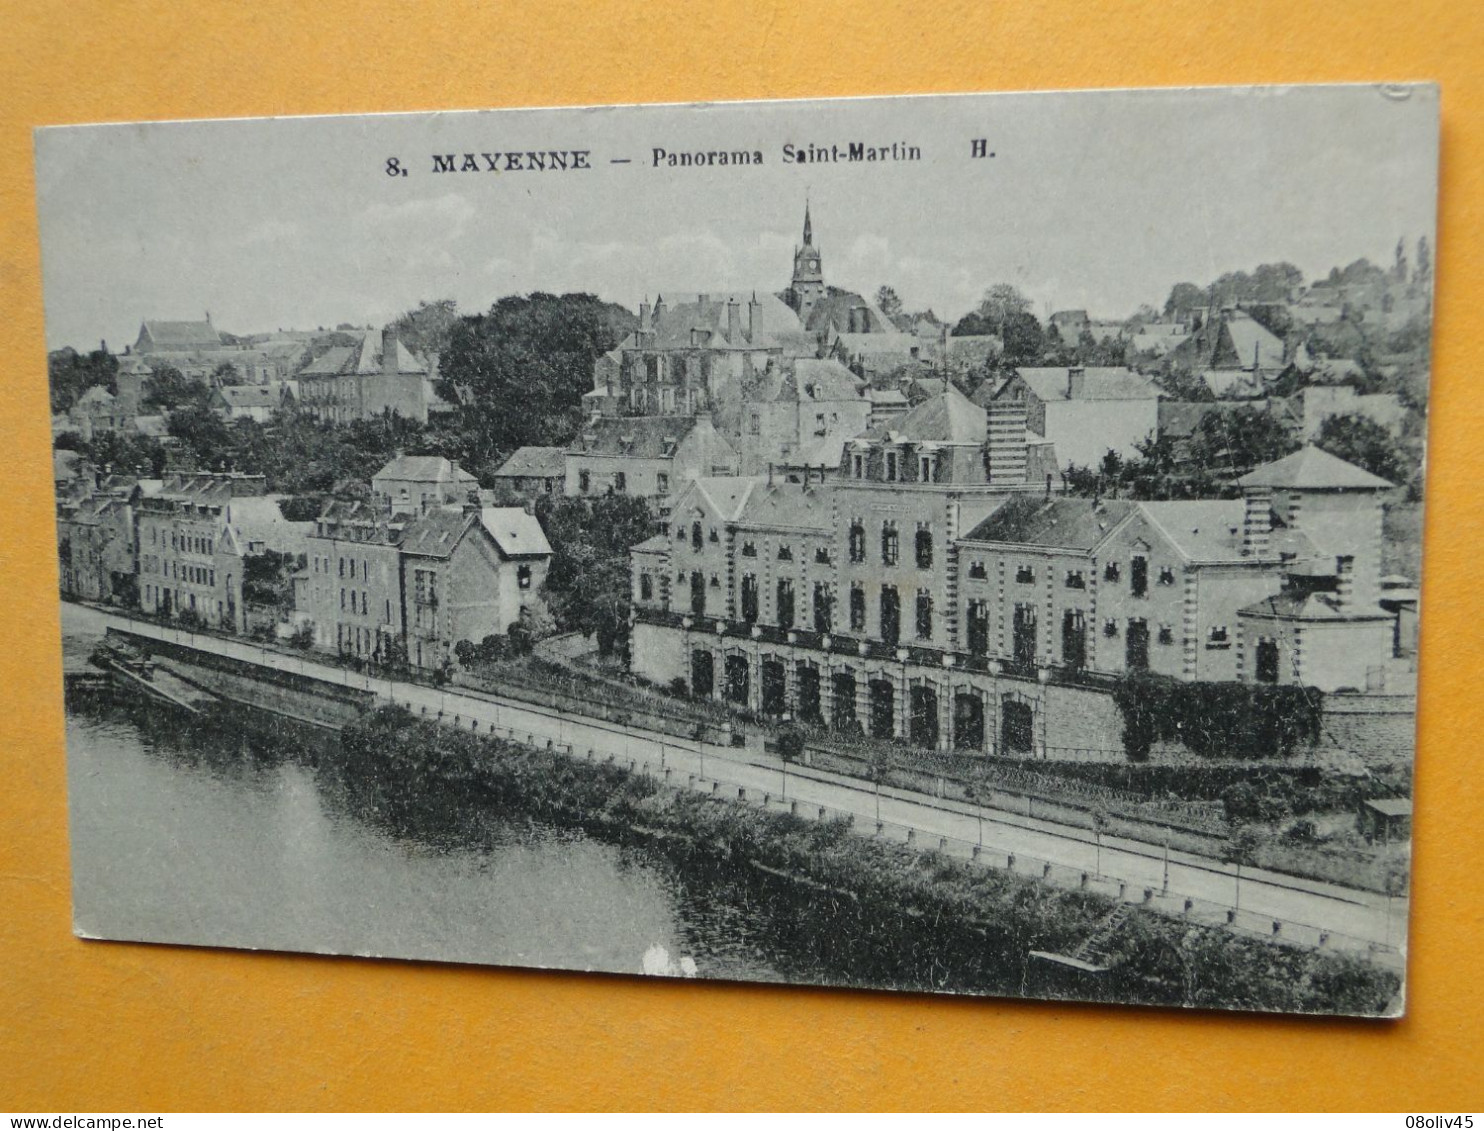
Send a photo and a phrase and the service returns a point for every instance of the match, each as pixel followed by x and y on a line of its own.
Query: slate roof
pixel 368 358
pixel 96 395
pixel 258 519
pixel 1305 606
pixel 1181 419
pixel 819 379
pixel 252 396
pixel 776 323
pixel 1060 523
pixel 1210 530
pixel 832 311
pixel 642 437
pixel 422 469
pixel 534 462
pixel 727 494
pixel 516 531
pixel 949 418
pixel 1313 469
pixel 182 335
pixel 787 505
pixel 333 361
pixel 437 533
pixel 1100 383
pixel 1248 340
pixel 654 544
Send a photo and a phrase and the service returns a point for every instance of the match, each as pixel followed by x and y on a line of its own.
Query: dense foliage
pixel 1217 720
pixel 588 584
pixel 71 374
pixel 519 371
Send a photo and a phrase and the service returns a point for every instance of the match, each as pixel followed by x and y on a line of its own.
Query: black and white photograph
pixel 962 544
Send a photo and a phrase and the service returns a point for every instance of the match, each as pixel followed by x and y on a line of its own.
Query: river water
pixel 237 831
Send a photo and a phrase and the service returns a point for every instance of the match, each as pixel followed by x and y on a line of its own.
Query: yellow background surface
pixel 115 1027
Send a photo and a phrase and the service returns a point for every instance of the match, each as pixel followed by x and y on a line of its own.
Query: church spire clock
pixel 807 287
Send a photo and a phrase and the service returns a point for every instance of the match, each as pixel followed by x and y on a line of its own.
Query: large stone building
pixel 376 377
pixel 198 350
pixel 935 591
pixel 651 457
pixel 193 534
pixel 414 485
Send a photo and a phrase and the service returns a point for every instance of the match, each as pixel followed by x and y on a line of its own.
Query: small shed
pixel 1385 819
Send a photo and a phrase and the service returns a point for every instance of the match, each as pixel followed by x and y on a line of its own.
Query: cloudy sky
pixel 1097 200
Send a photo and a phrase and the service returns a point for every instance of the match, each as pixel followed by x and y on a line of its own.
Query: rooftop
pixel 545 463
pixel 1099 383
pixel 1062 523
pixel 1313 469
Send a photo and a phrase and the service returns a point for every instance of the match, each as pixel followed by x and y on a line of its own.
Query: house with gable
pixel 1327 627
pixel 467 572
pixel 650 457
pixel 1085 411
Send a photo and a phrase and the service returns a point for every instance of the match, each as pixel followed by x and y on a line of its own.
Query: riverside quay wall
pixel 259 685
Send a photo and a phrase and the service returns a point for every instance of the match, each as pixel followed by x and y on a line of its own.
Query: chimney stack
pixel 734 322
pixel 1076 382
pixel 388 350
pixel 1257 522
pixel 1345 590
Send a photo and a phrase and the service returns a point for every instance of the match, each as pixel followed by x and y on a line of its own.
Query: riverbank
pixel 877 913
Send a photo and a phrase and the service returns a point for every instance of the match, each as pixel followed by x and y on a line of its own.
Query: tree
pixel 889 302
pixel 588 582
pixel 225 374
pixel 72 374
pixel 168 389
pixel 1023 338
pixel 1241 848
pixel 204 433
pixel 1184 297
pixel 973 325
pixel 1233 440
pixel 1360 440
pixel 428 329
pixel 527 363
pixel 1000 302
pixel 1423 270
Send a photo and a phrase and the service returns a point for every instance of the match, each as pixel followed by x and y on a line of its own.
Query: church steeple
pixel 807 286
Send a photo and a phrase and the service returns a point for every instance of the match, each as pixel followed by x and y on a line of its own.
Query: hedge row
pixel 1217 720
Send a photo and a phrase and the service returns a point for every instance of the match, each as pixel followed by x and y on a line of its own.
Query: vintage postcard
pixel 966 544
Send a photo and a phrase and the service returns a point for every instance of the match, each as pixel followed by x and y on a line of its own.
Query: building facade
pixel 992 617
